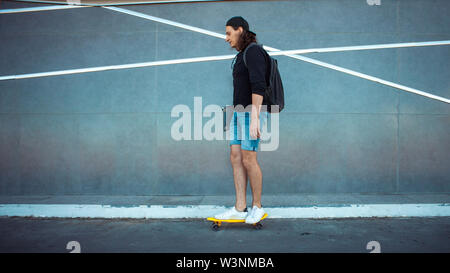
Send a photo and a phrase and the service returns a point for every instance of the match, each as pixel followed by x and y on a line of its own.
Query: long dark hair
pixel 245 39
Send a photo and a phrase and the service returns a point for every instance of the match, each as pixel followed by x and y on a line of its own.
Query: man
pixel 249 84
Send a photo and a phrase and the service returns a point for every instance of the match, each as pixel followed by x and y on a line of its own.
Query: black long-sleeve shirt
pixel 251 80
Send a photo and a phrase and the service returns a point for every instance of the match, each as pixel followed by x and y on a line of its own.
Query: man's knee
pixel 235 157
pixel 249 159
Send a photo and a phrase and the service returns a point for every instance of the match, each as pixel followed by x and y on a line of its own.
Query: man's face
pixel 232 36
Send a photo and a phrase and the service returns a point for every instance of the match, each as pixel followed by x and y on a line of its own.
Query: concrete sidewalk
pixel 277 206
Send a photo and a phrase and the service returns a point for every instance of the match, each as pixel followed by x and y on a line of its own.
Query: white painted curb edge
pixel 204 211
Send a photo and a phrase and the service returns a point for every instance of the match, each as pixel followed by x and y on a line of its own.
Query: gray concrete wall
pixel 108 133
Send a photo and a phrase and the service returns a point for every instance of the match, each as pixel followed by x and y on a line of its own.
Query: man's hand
pixel 254 123
pixel 254 129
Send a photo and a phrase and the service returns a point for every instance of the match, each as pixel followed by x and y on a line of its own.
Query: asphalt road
pixel 37 235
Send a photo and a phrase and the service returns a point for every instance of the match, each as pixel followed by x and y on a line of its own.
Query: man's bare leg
pixel 255 175
pixel 240 177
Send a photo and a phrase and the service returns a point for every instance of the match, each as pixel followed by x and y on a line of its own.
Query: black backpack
pixel 274 91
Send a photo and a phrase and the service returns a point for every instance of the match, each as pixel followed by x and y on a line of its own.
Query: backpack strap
pixel 245 51
pixel 267 57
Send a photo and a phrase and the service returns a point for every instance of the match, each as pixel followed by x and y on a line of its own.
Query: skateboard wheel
pixel 258 226
pixel 215 227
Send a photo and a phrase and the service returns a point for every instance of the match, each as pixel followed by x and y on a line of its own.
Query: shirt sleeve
pixel 256 65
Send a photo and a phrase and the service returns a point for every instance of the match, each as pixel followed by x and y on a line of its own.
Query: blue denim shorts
pixel 240 130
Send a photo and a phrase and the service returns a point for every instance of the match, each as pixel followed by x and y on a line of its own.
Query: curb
pixel 204 211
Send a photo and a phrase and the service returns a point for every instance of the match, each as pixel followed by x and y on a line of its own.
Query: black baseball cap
pixel 238 21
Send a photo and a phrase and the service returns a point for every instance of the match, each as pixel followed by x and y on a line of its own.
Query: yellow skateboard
pixel 217 222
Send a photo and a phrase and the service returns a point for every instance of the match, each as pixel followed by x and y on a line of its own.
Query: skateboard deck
pixel 218 222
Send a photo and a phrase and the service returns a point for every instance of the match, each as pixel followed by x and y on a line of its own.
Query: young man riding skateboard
pixel 249 82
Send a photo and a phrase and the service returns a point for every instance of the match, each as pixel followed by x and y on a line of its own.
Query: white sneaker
pixel 232 214
pixel 255 215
